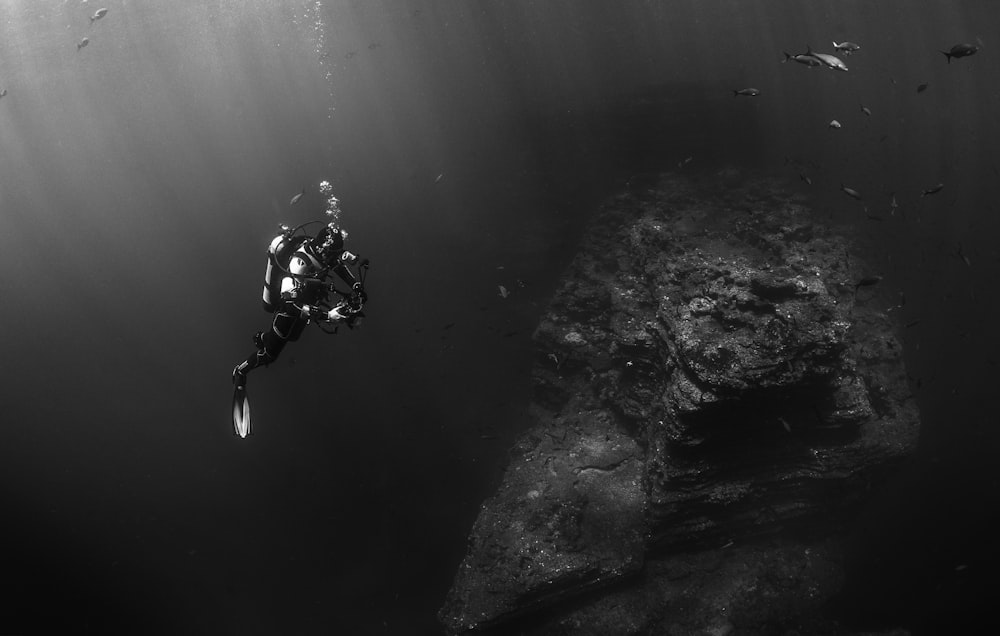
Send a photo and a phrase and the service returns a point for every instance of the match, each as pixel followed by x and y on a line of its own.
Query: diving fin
pixel 241 412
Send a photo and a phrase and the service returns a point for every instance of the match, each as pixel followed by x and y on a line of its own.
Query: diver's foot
pixel 239 377
pixel 258 339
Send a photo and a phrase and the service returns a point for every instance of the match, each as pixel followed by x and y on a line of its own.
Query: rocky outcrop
pixel 709 374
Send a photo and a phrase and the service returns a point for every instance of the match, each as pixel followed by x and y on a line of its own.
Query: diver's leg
pixel 270 345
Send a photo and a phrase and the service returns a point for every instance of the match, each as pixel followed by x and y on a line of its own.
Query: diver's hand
pixel 313 313
pixel 338 314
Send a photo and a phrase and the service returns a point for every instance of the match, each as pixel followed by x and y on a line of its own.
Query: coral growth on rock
pixel 709 377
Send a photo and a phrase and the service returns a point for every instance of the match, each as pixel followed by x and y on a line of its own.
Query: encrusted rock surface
pixel 709 376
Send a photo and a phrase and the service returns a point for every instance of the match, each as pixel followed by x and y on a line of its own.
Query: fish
pixel 867 281
pixel 802 58
pixel 834 123
pixel 866 110
pixel 785 425
pixel 82 43
pixel 922 87
pixel 684 162
pixel 98 15
pixel 747 92
pixel 851 192
pixel 847 47
pixel 831 61
pixel 960 50
pixel 892 204
pixel 932 190
pixel 806 179
pixel 503 291
pixel 439 178
pixel 297 197
pixel 3 93
pixel 961 255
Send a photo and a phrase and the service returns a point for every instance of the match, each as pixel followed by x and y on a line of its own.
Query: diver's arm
pixel 346 275
pixel 293 294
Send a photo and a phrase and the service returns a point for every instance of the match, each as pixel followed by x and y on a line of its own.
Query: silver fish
pixel 932 190
pixel 960 50
pixel 846 47
pixel 747 92
pixel 834 123
pixel 97 16
pixel 831 61
pixel 297 197
pixel 851 192
pixel 802 58
pixel 82 43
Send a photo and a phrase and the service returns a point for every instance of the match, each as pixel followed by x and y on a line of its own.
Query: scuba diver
pixel 297 292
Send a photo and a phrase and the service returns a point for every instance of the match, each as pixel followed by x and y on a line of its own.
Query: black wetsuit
pixel 297 307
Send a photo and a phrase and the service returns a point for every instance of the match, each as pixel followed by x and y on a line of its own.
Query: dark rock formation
pixel 709 379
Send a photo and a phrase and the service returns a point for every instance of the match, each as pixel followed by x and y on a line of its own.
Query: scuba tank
pixel 279 253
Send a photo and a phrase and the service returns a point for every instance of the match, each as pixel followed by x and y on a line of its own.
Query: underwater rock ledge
pixel 710 382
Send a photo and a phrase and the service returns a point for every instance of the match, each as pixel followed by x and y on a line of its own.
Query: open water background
pixel 143 175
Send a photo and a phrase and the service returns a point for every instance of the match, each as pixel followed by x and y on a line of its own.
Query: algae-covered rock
pixel 706 376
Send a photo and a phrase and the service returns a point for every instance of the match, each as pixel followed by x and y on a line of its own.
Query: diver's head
pixel 329 244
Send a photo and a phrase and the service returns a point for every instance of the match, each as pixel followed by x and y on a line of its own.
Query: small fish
pixel 912 323
pixel 747 92
pixel 82 43
pixel 892 204
pixel 831 61
pixel 834 124
pixel 98 15
pixel 922 87
pixel 961 255
pixel 297 197
pixel 867 111
pixel 933 190
pixel 449 325
pixel 806 179
pixel 503 291
pixel 802 58
pixel 785 425
pixel 3 93
pixel 684 162
pixel 960 50
pixel 851 192
pixel 846 47
pixel 438 178
pixel 867 281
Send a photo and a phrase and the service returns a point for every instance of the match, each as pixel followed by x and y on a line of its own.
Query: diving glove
pixel 338 314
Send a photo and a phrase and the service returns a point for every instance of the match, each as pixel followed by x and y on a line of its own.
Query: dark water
pixel 143 175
